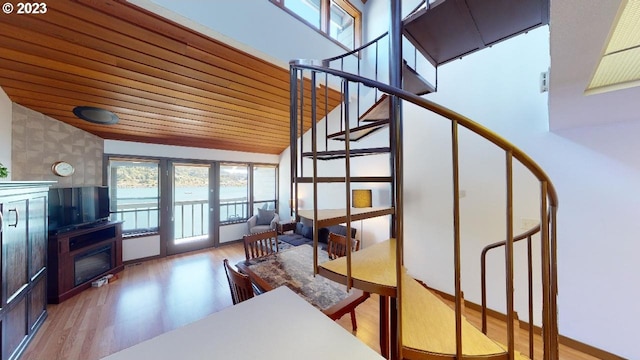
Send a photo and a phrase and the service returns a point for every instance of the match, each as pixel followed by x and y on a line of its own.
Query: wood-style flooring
pixel 157 296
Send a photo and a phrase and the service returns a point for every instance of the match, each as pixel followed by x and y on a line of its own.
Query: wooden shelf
pixel 328 217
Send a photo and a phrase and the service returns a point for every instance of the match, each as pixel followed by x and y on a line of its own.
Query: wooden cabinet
pixel 23 239
pixel 77 257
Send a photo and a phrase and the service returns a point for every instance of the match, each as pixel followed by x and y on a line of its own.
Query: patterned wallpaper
pixel 37 141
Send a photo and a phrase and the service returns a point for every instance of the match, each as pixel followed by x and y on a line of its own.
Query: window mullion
pixel 325 16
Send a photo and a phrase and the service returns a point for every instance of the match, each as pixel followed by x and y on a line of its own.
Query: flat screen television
pixel 74 207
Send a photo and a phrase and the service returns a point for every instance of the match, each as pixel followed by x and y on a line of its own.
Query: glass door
pixel 191 207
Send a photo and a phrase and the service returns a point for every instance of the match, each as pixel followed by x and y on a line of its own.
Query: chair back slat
pixel 239 284
pixel 337 245
pixel 260 244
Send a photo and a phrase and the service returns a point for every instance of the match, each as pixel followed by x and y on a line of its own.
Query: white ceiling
pixel 579 30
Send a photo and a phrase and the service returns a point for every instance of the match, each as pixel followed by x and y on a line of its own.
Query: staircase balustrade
pixel 548 206
pixel 332 73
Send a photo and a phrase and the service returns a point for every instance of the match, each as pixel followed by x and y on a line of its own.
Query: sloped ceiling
pixel 168 84
pixel 579 31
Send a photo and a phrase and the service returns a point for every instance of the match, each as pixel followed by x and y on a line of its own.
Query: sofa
pixel 303 234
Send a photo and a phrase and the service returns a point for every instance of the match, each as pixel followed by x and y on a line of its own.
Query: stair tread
pixel 413 82
pixel 329 217
pixel 360 132
pixel 342 179
pixel 378 112
pixel 428 323
pixel 373 268
pixel 341 154
pixel 451 29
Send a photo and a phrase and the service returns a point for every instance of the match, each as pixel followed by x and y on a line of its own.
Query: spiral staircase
pixel 415 322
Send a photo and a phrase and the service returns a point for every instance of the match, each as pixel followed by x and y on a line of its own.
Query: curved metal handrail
pixel 483 279
pixel 326 61
pixel 450 115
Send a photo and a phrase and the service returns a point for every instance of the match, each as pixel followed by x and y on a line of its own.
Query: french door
pixel 191 210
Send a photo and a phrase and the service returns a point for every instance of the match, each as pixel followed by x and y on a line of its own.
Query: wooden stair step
pixel 378 112
pixel 373 268
pixel 360 132
pixel 341 154
pixel 413 82
pixel 428 323
pixel 342 179
pixel 329 217
pixel 451 29
pixel 428 326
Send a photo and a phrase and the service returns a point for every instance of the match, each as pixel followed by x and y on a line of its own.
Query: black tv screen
pixel 73 207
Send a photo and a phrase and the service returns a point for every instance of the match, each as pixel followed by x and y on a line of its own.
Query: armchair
pixel 264 220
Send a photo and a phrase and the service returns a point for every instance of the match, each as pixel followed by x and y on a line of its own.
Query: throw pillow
pixel 265 216
pixel 307 231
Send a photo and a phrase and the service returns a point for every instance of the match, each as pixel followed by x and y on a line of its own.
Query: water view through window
pixel 136 198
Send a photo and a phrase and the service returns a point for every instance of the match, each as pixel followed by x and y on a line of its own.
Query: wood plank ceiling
pixel 168 84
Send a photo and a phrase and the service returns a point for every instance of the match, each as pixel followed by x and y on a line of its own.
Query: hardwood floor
pixel 157 296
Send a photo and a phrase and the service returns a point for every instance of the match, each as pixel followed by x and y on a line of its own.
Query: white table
pixel 275 325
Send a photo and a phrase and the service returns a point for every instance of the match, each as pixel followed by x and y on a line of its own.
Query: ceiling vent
pixel 96 115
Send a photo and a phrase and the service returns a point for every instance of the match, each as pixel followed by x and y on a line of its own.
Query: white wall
pixel 263 28
pixel 5 131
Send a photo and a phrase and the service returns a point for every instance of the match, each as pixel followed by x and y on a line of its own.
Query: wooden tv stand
pixel 65 250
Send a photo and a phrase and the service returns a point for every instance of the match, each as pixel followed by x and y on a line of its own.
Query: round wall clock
pixel 62 168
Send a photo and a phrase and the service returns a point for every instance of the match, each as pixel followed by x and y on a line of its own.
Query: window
pixel 336 19
pixel 134 194
pixel 264 187
pixel 342 25
pixel 234 190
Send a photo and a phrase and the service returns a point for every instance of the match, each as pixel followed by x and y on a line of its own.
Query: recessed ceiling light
pixel 619 67
pixel 96 115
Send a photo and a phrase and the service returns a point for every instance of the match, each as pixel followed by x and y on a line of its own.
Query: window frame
pixel 325 14
pixel 137 231
pixel 165 190
pixel 255 201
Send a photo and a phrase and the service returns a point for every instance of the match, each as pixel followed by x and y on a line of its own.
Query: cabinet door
pixel 37 302
pixel 15 328
pixel 37 235
pixel 14 248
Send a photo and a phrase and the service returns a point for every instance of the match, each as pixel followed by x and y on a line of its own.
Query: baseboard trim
pixel 588 349
pixel 564 340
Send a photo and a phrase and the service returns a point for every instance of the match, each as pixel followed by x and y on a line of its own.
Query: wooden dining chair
pixel 239 284
pixel 337 247
pixel 260 244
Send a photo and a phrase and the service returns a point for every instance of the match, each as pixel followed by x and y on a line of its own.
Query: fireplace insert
pixel 92 263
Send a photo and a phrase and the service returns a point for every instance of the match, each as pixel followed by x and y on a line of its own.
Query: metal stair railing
pixel 548 196
pixel 527 235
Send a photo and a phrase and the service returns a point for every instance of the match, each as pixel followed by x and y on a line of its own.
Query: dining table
pixel 259 328
pixel 293 268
